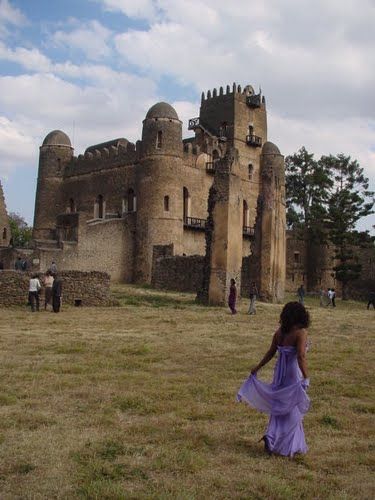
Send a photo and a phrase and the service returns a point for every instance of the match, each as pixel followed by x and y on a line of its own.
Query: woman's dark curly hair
pixel 293 314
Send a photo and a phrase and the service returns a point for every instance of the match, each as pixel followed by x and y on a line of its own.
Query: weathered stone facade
pixel 110 207
pixel 91 288
pixel 4 224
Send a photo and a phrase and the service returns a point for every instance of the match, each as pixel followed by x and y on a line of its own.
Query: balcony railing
pixel 248 231
pixel 194 123
pixel 253 140
pixel 210 167
pixel 195 223
pixel 254 101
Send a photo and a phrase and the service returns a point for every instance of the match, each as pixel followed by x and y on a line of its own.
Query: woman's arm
pixel 268 356
pixel 301 351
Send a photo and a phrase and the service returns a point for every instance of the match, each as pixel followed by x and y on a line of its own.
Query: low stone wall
pixel 90 287
pixel 180 273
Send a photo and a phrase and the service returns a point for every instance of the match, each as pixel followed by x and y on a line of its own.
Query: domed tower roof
pixel 269 148
pixel 162 110
pixel 57 138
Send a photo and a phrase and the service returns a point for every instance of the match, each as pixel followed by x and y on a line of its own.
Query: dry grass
pixel 138 401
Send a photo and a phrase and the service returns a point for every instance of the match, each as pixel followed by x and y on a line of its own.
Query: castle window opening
pixel 296 257
pixel 245 214
pixel 166 203
pixel 72 206
pixel 251 170
pixel 293 277
pixel 4 233
pixel 131 200
pixel 159 140
pixel 99 208
pixel 186 205
pixel 215 155
pixel 251 130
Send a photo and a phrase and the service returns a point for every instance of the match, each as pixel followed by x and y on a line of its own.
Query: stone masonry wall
pixel 91 287
pixel 183 274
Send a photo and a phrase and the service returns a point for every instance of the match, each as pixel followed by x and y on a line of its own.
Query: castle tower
pixel 272 224
pixel 55 153
pixel 159 200
pixel 4 223
pixel 223 260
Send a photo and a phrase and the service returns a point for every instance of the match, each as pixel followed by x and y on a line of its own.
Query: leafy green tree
pixel 307 192
pixel 349 201
pixel 21 233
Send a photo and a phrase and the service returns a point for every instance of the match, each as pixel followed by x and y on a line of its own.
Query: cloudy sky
pixel 92 68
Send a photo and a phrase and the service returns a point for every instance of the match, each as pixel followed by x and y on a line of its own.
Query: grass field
pixel 138 401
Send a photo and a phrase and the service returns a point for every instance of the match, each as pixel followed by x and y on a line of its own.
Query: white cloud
pixel 16 147
pixel 141 9
pixel 9 15
pixel 91 38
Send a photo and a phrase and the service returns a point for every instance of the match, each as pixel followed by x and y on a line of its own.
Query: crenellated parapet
pixel 106 155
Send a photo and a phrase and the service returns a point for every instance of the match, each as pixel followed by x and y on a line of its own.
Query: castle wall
pixel 5 235
pixel 91 287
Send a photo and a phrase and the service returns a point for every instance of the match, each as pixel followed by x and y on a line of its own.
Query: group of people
pixel 233 297
pixel 52 290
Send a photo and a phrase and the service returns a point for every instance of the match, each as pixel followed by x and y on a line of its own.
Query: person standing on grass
pixel 53 268
pixel 232 296
pixel 333 297
pixel 301 294
pixel 56 293
pixel 371 300
pixel 48 283
pixel 34 289
pixel 253 298
pixel 285 399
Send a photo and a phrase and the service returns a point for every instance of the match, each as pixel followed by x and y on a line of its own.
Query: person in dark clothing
pixel 1 266
pixel 56 294
pixel 371 300
pixel 301 295
pixel 18 264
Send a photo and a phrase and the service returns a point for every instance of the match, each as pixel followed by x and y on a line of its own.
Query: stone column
pixel 272 239
pixel 224 233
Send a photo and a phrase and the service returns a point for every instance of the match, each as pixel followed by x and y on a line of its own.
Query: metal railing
pixel 253 140
pixel 248 231
pixel 195 223
pixel 194 123
pixel 210 167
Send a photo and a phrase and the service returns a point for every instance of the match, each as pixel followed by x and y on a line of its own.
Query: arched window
pixel 131 200
pixel 251 171
pixel 223 130
pixel 72 206
pixel 4 233
pixel 159 140
pixel 99 208
pixel 251 130
pixel 186 205
pixel 166 203
pixel 245 214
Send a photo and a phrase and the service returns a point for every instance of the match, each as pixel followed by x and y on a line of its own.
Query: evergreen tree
pixel 307 191
pixel 20 231
pixel 349 201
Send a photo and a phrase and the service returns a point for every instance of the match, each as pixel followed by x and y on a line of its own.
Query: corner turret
pixel 162 131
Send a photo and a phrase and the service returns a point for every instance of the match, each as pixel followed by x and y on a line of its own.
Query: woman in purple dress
pixel 285 399
pixel 232 296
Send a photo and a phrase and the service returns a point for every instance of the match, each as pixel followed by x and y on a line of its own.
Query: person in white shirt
pixel 48 282
pixel 34 288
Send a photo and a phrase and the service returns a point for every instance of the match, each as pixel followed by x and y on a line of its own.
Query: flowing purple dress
pixel 285 400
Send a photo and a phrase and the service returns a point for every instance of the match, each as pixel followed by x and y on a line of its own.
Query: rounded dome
pixel 162 110
pixel 57 138
pixel 270 148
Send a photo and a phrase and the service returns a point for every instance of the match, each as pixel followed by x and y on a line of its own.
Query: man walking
pixel 34 289
pixel 56 294
pixel 371 300
pixel 301 295
pixel 253 297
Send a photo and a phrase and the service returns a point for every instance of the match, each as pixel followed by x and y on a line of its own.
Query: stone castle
pixel 112 207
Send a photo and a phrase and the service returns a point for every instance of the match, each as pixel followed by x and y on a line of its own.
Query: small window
pixel 251 130
pixel 245 214
pixel 4 233
pixel 72 206
pixel 293 277
pixel 296 257
pixel 132 201
pixel 100 207
pixel 159 140
pixel 186 203
pixel 251 170
pixel 58 165
pixel 166 203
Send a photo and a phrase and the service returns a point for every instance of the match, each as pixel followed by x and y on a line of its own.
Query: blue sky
pixel 93 67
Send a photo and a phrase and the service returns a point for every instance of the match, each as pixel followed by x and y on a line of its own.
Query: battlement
pixel 234 90
pixel 106 155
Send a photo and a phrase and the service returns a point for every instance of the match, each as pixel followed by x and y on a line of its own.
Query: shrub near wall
pixel 90 287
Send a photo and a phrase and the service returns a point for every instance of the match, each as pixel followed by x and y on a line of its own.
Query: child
pixel 232 296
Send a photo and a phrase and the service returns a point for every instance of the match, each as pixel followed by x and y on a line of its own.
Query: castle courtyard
pixel 139 401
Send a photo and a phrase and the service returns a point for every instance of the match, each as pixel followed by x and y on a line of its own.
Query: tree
pixel 307 192
pixel 21 233
pixel 349 201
